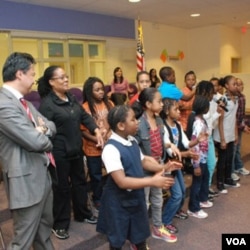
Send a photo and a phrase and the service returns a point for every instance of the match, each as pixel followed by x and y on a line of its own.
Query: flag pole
pixel 140 54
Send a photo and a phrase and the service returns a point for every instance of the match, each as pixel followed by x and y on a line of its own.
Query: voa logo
pixel 235 241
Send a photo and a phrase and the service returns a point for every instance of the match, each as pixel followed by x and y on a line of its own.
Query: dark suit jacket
pixel 22 151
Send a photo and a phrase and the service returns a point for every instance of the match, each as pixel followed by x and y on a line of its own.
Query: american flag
pixel 140 51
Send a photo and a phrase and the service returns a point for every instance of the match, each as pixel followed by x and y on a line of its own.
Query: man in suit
pixel 24 146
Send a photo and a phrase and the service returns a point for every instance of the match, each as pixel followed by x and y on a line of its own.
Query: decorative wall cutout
pixel 165 57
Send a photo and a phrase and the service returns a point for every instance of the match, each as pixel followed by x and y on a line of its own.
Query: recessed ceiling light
pixel 248 22
pixel 134 1
pixel 195 15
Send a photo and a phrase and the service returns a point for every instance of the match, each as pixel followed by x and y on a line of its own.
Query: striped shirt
pixel 156 143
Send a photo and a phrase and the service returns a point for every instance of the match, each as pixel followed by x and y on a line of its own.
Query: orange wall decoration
pixel 165 57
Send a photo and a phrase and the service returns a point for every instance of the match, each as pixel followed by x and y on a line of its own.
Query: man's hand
pixel 42 128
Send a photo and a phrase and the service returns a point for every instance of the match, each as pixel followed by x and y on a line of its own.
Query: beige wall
pixel 245 51
pixel 208 51
pixel 204 50
pixel 158 37
pixel 230 47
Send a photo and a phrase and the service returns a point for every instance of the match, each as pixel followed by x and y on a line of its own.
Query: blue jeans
pixel 176 200
pixel 199 189
pixel 211 159
pixel 94 164
pixel 237 161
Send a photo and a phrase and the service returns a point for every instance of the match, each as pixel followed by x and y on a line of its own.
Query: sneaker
pixel 199 214
pixel 213 193
pixel 162 234
pixel 243 171
pixel 181 215
pixel 134 247
pixel 235 177
pixel 211 199
pixel 232 183
pixel 60 233
pixel 91 220
pixel 206 204
pixel 221 189
pixel 210 196
pixel 171 228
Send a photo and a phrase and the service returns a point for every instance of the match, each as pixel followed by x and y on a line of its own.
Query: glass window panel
pixel 93 50
pixel 53 49
pixel 68 54
pixel 96 51
pixel 75 50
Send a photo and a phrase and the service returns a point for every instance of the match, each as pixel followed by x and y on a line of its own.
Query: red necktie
pixel 27 109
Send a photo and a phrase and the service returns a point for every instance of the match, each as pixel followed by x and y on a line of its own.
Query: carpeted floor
pixel 230 214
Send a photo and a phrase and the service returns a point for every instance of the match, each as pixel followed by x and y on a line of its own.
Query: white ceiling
pixel 233 13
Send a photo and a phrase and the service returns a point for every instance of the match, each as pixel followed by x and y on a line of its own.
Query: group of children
pixel 145 145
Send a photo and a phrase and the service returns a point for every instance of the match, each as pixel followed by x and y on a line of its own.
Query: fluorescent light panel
pixel 195 15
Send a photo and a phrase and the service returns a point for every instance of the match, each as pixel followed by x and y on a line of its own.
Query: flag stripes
pixel 140 59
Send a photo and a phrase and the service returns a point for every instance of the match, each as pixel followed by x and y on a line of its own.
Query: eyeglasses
pixel 61 77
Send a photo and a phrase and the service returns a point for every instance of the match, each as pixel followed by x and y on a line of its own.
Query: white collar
pixel 125 142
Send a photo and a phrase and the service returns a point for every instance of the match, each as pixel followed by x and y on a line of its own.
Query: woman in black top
pixel 61 107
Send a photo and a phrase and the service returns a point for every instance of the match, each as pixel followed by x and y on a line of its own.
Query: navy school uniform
pixel 123 213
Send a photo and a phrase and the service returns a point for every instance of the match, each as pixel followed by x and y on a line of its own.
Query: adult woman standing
pixel 119 87
pixel 61 107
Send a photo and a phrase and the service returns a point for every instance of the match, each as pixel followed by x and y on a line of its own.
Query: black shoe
pixel 181 215
pixel 211 199
pixel 212 193
pixel 60 234
pixel 231 183
pixel 91 220
pixel 210 196
pixel 221 188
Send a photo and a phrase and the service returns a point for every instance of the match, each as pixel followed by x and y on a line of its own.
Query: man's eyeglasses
pixel 60 77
